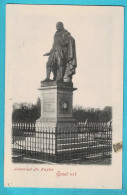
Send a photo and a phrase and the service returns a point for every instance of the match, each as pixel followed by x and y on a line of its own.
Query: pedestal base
pixel 52 124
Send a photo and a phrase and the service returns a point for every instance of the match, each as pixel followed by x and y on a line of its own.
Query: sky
pixel 98 33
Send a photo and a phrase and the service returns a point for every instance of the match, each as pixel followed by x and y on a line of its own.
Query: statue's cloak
pixel 72 64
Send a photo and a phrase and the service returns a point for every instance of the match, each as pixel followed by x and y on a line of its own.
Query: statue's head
pixel 59 26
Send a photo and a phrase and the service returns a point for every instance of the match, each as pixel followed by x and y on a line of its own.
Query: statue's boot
pixel 47 79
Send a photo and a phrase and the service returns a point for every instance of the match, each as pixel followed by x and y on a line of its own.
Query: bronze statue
pixel 62 57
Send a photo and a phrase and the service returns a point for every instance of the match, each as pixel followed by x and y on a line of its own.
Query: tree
pixel 92 114
pixel 26 112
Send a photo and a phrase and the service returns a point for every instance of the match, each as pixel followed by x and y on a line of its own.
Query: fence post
pixel 55 144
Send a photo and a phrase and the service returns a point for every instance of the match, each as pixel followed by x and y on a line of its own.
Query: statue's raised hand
pixel 46 54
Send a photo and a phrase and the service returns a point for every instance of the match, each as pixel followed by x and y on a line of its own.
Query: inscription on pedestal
pixel 48 104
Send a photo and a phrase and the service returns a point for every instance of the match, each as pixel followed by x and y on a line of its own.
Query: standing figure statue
pixel 62 57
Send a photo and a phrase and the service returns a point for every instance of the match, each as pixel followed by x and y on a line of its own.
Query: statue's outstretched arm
pixel 47 54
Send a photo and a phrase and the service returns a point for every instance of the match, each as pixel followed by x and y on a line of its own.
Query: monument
pixel 57 94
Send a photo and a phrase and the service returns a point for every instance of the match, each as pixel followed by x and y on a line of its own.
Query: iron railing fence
pixel 59 144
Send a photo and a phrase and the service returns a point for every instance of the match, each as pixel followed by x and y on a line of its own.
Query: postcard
pixel 63 96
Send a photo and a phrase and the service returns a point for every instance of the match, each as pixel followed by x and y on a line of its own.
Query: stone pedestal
pixel 56 106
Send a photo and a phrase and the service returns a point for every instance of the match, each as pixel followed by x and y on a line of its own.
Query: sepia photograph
pixel 63 96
